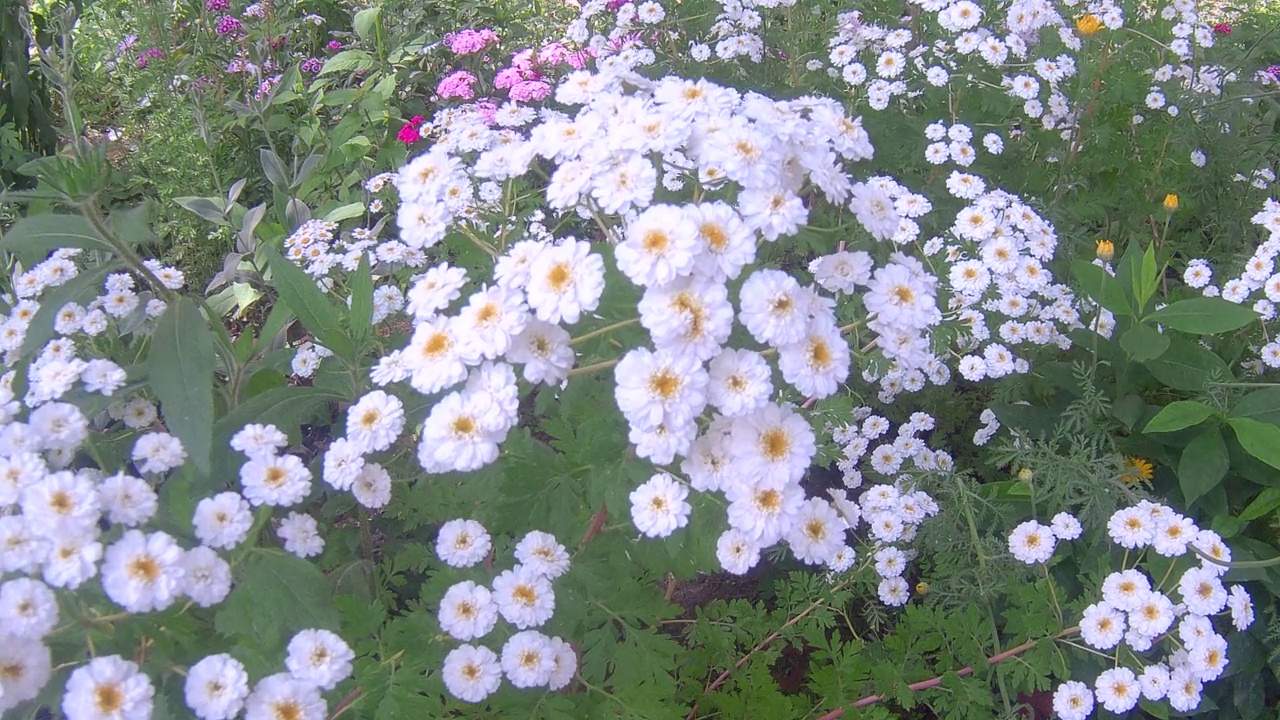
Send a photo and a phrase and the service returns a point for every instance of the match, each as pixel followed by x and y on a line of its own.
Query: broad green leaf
pixel 274 169
pixel 1203 465
pixel 276 595
pixel 1203 316
pixel 1187 366
pixel 345 212
pixel 1104 289
pixel 1150 276
pixel 180 367
pixel 365 22
pixel 1143 342
pixel 1267 501
pixel 33 238
pixel 1261 440
pixel 361 312
pixel 318 314
pixel 349 60
pixel 1178 415
pixel 132 226
pixel 207 208
pixel 1262 405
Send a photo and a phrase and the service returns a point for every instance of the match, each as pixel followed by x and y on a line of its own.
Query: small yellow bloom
pixel 1171 202
pixel 1025 474
pixel 1088 24
pixel 922 587
pixel 1136 470
pixel 1106 250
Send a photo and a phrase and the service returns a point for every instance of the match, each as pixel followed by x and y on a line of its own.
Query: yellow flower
pixel 1136 470
pixel 1106 250
pixel 1088 24
pixel 1025 475
pixel 1171 202
pixel 922 587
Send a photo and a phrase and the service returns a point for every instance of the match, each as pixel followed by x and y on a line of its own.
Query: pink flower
pixel 578 60
pixel 227 25
pixel 487 111
pixel 470 41
pixel 1222 28
pixel 333 46
pixel 408 134
pixel 312 65
pixel 530 91
pixel 457 85
pixel 615 4
pixel 507 77
pixel 553 54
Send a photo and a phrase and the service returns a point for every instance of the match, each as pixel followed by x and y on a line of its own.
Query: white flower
pixel 817 532
pixel 525 598
pixel 565 665
pixel 1102 627
pixel 1073 701
pixel 319 657
pixel 467 611
pixel 737 551
pixel 1065 526
pixel 375 421
pixel 659 507
pixel 1152 616
pixel 27 666
pixel 772 442
pixel 216 687
pixel 343 461
pixel 462 543
pixel 738 381
pixel 206 578
pixel 543 349
pixel 222 521
pixel 372 487
pixel 1202 591
pixel 158 453
pixel 658 246
pixel 108 687
pixel 471 673
pixel 301 535
pixel 127 500
pixel 893 591
pixel 28 609
pixel 61 503
pixel 764 509
pixel 281 480
pixel 565 280
pixel 773 307
pixel 1032 542
pixel 143 572
pixel 1241 608
pixel 258 441
pixel 281 696
pixel 528 659
pixel 1184 690
pixel 1117 689
pixel 542 553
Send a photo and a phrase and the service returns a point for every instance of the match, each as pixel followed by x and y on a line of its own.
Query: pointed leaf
pixel 1203 465
pixel 1262 405
pixel 1204 316
pixel 318 314
pixel 1261 440
pixel 181 374
pixel 1179 415
pixel 1104 289
pixel 1187 366
pixel 361 313
pixel 33 238
pixel 1143 342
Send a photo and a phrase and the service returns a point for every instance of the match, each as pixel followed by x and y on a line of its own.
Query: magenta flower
pixel 216 6
pixel 1222 28
pixel 507 77
pixel 457 85
pixel 470 41
pixel 312 65
pixel 333 46
pixel 148 55
pixel 227 25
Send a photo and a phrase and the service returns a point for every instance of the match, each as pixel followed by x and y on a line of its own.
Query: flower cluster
pixel 523 596
pixel 1142 616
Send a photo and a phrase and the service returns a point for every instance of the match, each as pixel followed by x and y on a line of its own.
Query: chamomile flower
pixel 318 657
pixel 462 543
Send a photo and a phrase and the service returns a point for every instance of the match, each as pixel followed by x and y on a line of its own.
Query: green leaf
pixel 1203 465
pixel 1149 278
pixel 345 212
pixel 362 301
pixel 1267 501
pixel 1261 440
pixel 1178 415
pixel 365 21
pixel 180 367
pixel 1143 342
pixel 33 238
pixel 274 169
pixel 207 208
pixel 1262 405
pixel 276 595
pixel 1187 366
pixel 349 60
pixel 1104 289
pixel 318 314
pixel 1204 316
pixel 132 225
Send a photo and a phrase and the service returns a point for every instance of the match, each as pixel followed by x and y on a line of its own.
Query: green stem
pixel 603 330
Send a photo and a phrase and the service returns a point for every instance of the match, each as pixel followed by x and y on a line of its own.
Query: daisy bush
pixel 703 359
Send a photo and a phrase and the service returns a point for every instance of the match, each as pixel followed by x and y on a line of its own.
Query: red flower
pixel 1222 28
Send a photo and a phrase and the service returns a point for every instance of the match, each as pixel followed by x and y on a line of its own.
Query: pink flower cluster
pixel 410 133
pixel 466 42
pixel 457 85
pixel 214 6
pixel 227 25
pixel 312 65
pixel 148 55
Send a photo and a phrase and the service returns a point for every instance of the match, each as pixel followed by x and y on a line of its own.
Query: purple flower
pixel 147 55
pixel 312 65
pixel 530 91
pixel 127 43
pixel 227 25
pixel 333 46
pixel 265 88
pixel 216 6
pixel 470 41
pixel 255 11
